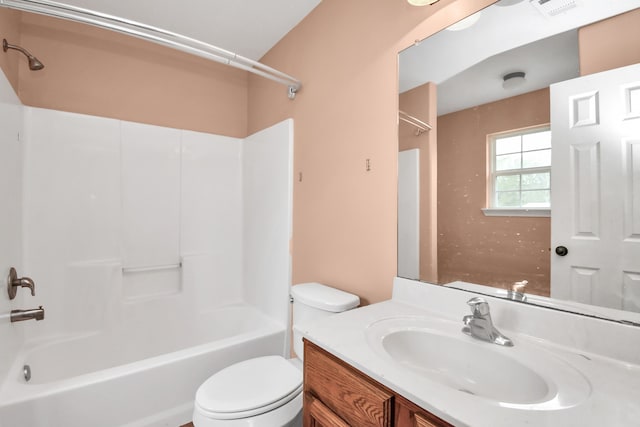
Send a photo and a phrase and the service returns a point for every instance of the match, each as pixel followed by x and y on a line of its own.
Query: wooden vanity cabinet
pixel 337 395
pixel 409 414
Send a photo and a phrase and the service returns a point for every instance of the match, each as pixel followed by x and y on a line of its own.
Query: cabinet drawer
pixel 345 392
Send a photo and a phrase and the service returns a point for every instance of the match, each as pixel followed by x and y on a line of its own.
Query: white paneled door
pixel 595 227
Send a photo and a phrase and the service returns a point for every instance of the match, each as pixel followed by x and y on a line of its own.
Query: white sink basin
pixel 479 372
pixel 525 376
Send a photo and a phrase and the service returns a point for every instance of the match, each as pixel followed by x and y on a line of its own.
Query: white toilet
pixel 267 391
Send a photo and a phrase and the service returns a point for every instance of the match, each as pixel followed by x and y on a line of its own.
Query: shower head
pixel 34 63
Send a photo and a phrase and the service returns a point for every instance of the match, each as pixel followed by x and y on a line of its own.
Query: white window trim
pixel 531 212
pixel 491 194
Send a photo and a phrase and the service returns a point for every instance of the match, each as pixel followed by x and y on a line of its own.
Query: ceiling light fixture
pixel 422 2
pixel 465 23
pixel 513 80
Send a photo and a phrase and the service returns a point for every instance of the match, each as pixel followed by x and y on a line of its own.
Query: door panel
pixel 595 125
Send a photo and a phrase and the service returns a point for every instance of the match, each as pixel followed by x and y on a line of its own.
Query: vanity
pixel 406 362
pixel 357 399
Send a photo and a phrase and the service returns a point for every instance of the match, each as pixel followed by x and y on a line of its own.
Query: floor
pixel 188 425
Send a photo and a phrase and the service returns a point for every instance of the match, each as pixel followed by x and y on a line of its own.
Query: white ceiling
pixel 468 65
pixel 551 60
pixel 246 27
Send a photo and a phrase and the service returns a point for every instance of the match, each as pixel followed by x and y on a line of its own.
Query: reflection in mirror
pixel 520 106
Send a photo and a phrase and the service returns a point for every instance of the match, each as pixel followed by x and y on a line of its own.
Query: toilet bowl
pixel 267 391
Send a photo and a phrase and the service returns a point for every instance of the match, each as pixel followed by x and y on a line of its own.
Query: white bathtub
pixel 149 380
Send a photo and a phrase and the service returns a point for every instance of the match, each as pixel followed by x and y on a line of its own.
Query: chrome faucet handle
pixel 479 306
pixel 517 291
pixel 14 282
pixel 519 286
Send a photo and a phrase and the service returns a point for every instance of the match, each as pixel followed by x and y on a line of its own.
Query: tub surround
pixel 603 369
pixel 11 182
pixel 98 202
pixel 105 199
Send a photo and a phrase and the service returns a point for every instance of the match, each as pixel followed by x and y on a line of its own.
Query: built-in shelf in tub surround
pixel 592 373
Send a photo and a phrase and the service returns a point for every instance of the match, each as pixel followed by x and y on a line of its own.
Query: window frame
pixel 492 209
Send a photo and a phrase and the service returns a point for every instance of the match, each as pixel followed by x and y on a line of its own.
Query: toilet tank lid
pixel 324 297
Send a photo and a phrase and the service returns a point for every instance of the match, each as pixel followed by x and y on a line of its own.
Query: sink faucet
pixel 479 324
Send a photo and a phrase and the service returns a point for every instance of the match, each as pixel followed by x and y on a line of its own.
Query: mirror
pixel 477 179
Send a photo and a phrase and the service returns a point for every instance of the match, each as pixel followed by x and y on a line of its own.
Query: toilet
pixel 267 391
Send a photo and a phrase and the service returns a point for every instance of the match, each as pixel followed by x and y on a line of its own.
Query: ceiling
pixel 246 27
pixel 468 65
pixel 547 61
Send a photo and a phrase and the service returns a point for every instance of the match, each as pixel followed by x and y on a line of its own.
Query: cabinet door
pixel 409 414
pixel 347 393
pixel 422 421
pixel 320 415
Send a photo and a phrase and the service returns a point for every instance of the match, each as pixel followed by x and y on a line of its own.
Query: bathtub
pixel 150 380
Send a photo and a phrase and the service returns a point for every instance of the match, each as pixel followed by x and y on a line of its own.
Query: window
pixel 520 169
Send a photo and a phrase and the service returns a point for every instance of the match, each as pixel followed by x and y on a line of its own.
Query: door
pixel 595 226
pixel 409 214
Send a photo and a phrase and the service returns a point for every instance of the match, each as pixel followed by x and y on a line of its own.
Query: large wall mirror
pixel 519 163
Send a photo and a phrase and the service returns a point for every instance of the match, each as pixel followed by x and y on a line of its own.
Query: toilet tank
pixel 314 301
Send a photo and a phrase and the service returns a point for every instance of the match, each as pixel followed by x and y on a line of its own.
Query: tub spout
pixel 20 315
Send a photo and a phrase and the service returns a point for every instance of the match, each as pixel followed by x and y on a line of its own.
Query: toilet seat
pixel 249 388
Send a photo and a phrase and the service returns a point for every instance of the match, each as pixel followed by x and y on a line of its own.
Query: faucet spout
pixel 479 324
pixel 20 315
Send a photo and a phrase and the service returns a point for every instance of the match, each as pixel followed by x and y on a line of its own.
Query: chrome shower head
pixel 34 63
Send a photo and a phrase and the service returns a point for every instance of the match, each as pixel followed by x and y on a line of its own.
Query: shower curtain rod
pixel 408 118
pixel 155 35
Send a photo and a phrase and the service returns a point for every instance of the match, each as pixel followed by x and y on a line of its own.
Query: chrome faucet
pixel 20 315
pixel 479 324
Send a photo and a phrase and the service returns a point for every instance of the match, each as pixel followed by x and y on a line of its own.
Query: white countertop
pixel 611 372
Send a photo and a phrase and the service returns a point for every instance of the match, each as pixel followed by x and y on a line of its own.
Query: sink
pixel 525 376
pixel 479 372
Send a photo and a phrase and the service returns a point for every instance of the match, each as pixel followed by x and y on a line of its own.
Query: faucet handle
pixel 14 282
pixel 479 306
pixel 519 286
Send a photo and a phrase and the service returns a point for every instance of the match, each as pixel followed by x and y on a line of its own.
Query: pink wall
pixel 496 251
pixel 611 43
pixel 10 30
pixel 345 53
pixel 421 102
pixel 93 71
